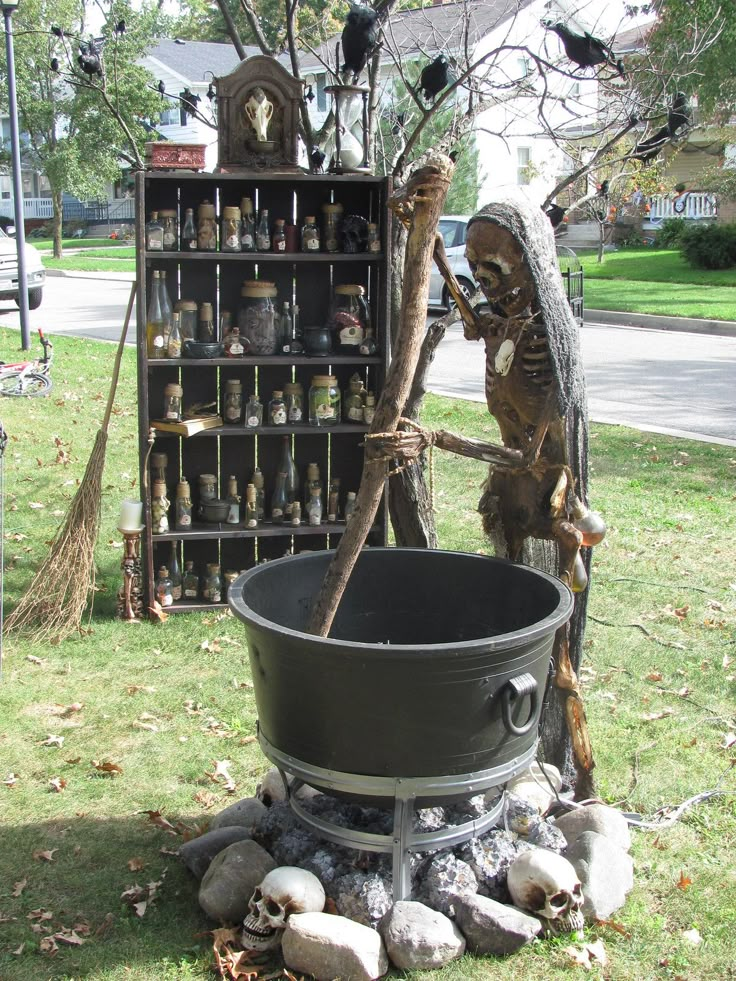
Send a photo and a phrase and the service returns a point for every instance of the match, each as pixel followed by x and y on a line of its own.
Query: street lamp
pixel 9 7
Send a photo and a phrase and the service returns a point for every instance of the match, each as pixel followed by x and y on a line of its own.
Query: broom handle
pixel 118 359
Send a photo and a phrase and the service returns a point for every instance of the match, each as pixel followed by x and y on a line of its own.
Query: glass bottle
pixel 288 467
pixel 155 336
pixel 207 491
pixel 294 398
pixel 173 348
pixel 175 574
pixel 190 582
pixel 279 236
pixel 212 586
pixel 353 400
pixel 230 231
pixel 226 324
pixel 314 507
pixel 296 514
pixel 374 239
pixel 233 500
pixel 349 317
pixel 253 412
pixel 167 311
pixel 162 586
pixel 247 226
pixel 324 401
pixel 228 578
pixel 368 345
pixel 172 402
pixel 206 324
pixel 183 506
pixel 310 235
pixel 159 508
pixel 349 506
pixel 258 317
pixel 263 233
pixel 234 347
pixel 206 227
pixel 251 506
pixel 233 407
pixel 171 235
pixel 278 500
pixel 333 500
pixel 277 409
pixel 159 463
pixel 189 232
pixel 313 479
pixel 187 310
pixel 154 234
pixel 285 343
pixel 369 409
pixel 296 345
pixel 331 219
pixel 258 482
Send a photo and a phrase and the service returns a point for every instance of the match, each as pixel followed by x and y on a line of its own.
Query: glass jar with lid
pixel 183 505
pixel 159 508
pixel 187 310
pixel 324 401
pixel 212 585
pixel 277 409
pixel 294 398
pixel 206 324
pixel 167 217
pixel 173 394
pixel 254 412
pixel 310 235
pixel 159 463
pixel 349 317
pixel 233 402
pixel 331 219
pixel 353 401
pixel 206 227
pixel 230 232
pixel 233 345
pixel 207 490
pixel 258 320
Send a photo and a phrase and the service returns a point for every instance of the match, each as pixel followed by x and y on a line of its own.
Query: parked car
pixel 453 229
pixel 35 273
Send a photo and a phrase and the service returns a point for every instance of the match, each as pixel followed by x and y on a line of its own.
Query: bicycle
pixel 28 377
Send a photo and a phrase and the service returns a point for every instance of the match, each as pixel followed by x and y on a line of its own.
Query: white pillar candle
pixel 131 516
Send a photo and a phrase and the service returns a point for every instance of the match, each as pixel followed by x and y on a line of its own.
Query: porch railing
pixel 693 205
pixel 120 209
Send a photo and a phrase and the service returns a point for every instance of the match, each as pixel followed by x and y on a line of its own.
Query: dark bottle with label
pixel 175 574
pixel 190 582
pixel 279 500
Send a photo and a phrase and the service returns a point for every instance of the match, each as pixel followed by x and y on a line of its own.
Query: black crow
pixel 679 114
pixel 120 27
pixel 189 102
pixel 309 94
pixel 555 214
pixel 398 121
pixel 602 189
pixel 161 87
pixel 317 159
pixel 647 150
pixel 54 64
pixel 584 49
pixel 359 38
pixel 434 78
pixel 89 58
pixel 57 31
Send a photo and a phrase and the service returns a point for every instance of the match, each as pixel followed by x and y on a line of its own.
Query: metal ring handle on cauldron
pixel 525 684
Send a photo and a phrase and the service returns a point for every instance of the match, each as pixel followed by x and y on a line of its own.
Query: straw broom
pixel 53 605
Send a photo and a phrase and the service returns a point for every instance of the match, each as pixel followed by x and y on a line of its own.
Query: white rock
pixel 494 928
pixel 601 819
pixel 606 872
pixel 329 947
pixel 420 938
pixel 271 788
pixel 532 785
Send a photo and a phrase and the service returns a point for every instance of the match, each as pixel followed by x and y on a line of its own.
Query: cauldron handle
pixel 525 684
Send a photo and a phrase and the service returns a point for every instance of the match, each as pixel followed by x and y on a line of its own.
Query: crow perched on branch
pixel 647 150
pixel 54 64
pixel 359 38
pixel 555 213
pixel 602 189
pixel 189 102
pixel 57 31
pixel 89 58
pixel 584 49
pixel 679 114
pixel 120 27
pixel 162 88
pixel 434 78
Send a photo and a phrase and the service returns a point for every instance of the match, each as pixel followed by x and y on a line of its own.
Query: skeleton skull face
pixel 497 261
pixel 547 885
pixel 284 891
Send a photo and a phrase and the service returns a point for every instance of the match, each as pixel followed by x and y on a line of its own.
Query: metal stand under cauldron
pixel 403 791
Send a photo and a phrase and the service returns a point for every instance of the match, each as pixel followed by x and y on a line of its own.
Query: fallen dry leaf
pixel 69 937
pixel 57 784
pixel 135 689
pixel 36 505
pixel 18 950
pixel 105 925
pixel 205 799
pixel 53 741
pixel 18 887
pixel 40 914
pixel 33 659
pixel 655 676
pixel 156 817
pixel 74 760
pixel 11 780
pixel 45 855
pixel 222 775
pixel 107 767
pixel 247 740
pixel 684 882
pixel 613 925
pixel 653 716
pixel 48 946
pixel 135 864
pixel 67 710
pixel 729 738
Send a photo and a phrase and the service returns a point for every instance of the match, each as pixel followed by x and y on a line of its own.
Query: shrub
pixel 670 234
pixel 709 246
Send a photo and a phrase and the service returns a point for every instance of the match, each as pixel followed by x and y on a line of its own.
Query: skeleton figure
pixel 284 891
pixel 546 884
pixel 258 110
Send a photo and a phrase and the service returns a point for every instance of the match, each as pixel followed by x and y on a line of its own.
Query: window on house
pixel 323 99
pixel 170 115
pixel 523 163
pixel 523 67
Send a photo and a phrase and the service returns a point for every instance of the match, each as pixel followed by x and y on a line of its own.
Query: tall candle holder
pixel 130 594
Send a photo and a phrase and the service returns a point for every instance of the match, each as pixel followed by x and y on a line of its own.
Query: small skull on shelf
pixel 284 891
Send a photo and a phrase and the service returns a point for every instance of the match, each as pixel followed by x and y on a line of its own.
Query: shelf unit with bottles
pixel 306 279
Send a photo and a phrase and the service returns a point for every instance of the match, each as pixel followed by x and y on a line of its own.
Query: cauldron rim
pixel 505 641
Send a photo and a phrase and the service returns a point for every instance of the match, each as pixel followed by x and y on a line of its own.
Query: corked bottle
pixel 183 505
pixel 206 227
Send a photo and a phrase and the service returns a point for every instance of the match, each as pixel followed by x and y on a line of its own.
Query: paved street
pixel 676 383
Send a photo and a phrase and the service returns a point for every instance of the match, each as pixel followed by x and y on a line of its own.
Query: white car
pixel 453 229
pixel 35 273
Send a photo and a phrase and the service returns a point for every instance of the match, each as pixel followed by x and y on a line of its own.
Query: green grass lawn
pixel 83 263
pixel 670 300
pixel 74 243
pixel 164 701
pixel 653 266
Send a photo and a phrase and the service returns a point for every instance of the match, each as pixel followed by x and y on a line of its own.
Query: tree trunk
pixel 57 200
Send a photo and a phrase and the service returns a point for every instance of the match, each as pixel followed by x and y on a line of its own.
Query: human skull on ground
pixel 546 884
pixel 284 891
